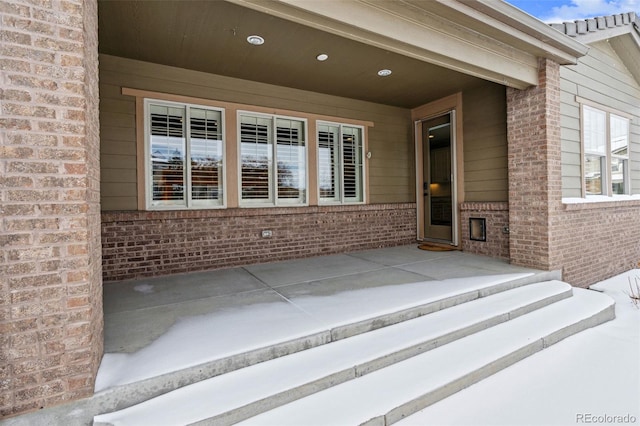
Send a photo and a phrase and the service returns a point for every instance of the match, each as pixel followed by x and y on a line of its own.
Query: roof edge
pixel 601 27
pixel 518 19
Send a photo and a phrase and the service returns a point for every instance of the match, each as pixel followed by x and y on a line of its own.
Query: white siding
pixel 600 77
pixel 391 168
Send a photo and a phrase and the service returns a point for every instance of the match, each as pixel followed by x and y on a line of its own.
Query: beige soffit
pixel 488 39
pixel 621 30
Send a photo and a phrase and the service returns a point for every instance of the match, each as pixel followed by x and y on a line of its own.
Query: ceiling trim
pixel 539 36
pixel 628 49
pixel 462 38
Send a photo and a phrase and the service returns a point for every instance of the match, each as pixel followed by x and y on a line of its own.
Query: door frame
pixel 425 112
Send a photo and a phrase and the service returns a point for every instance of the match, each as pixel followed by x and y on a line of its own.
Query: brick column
pixel 50 274
pixel 535 193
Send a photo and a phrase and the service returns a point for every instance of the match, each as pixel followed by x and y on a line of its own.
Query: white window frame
pixel 608 156
pixel 342 199
pixel 273 200
pixel 189 203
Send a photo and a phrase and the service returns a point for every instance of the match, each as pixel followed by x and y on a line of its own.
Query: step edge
pixel 395 414
pixel 407 352
pixel 387 359
pixel 604 315
pixel 168 382
pixel 410 407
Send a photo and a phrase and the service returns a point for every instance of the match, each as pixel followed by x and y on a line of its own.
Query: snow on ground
pixel 199 339
pixel 590 378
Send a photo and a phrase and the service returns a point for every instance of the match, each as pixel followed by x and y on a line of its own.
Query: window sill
pixel 601 201
pixel 271 206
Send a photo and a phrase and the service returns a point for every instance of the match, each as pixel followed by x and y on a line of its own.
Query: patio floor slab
pixel 138 312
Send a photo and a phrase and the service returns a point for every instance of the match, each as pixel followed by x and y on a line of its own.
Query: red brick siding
pixel 50 277
pixel 140 244
pixel 89 300
pixel 533 135
pixel 595 241
pixel 589 242
pixel 497 217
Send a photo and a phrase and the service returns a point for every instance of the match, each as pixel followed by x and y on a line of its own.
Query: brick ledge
pixel 484 205
pixel 568 205
pixel 139 215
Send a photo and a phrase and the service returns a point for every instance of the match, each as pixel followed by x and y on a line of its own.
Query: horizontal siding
pixel 485 144
pixel 392 166
pixel 118 187
pixel 600 77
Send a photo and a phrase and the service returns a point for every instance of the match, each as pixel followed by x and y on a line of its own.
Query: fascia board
pixel 369 22
pixel 604 34
pixel 628 49
pixel 551 42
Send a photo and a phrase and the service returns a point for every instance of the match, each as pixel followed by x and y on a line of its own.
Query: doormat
pixel 435 247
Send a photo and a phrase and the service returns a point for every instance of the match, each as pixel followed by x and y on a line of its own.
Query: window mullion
pixel 187 157
pixel 608 157
pixel 273 170
pixel 341 163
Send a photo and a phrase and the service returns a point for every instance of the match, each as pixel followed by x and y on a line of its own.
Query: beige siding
pixel 599 77
pixel 485 144
pixel 391 167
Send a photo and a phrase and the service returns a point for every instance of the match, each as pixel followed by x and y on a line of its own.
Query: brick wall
pixel 50 280
pixel 534 163
pixel 90 312
pixel 595 241
pixel 589 242
pixel 137 244
pixel 497 219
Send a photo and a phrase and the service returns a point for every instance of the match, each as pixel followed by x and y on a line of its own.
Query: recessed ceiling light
pixel 256 40
pixel 322 57
pixel 384 73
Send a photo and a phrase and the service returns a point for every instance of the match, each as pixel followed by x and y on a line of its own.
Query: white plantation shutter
pixel 328 162
pixel 167 148
pixel 352 156
pixel 256 156
pixel 206 155
pixel 291 160
pixel 185 160
pixel 340 163
pixel 273 160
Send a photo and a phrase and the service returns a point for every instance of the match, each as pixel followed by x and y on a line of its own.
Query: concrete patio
pixel 170 335
pixel 138 312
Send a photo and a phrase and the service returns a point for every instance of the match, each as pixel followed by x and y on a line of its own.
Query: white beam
pixel 417 33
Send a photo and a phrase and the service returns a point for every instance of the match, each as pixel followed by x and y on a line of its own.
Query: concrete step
pixel 440 295
pixel 247 392
pixel 390 394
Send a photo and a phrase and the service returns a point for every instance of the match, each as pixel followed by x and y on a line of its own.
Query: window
pixel 619 154
pixel 340 163
pixel 184 145
pixel 606 154
pixel 273 157
pixel 184 155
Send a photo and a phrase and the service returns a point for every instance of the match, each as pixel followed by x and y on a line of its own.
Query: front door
pixel 438 178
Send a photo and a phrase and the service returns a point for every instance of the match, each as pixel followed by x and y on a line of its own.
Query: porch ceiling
pixel 210 36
